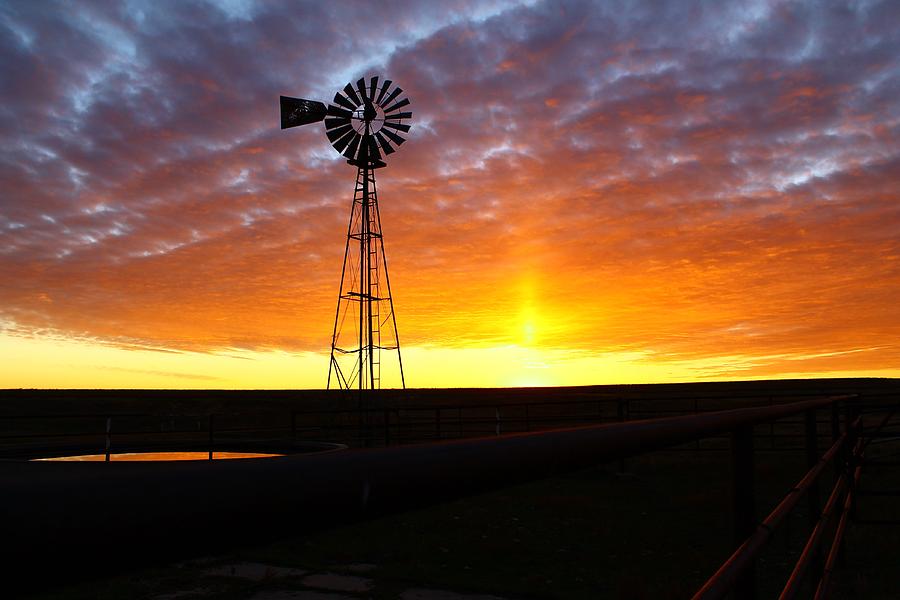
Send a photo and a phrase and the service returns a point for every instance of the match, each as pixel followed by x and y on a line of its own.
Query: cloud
pixel 689 180
pixel 174 374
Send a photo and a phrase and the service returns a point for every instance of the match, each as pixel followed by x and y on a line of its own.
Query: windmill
pixel 363 123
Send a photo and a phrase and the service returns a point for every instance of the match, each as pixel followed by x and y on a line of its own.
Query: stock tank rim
pixel 279 448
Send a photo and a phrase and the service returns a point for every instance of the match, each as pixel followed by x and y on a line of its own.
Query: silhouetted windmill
pixel 362 124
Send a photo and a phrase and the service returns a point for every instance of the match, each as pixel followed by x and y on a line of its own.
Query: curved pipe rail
pixel 87 519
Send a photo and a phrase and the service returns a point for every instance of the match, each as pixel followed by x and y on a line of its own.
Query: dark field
pixel 56 417
pixel 656 529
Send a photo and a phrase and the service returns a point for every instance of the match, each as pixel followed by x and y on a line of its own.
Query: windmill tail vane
pixel 365 123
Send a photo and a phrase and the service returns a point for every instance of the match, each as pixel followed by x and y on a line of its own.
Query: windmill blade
pixel 337 111
pixel 398 105
pixel 350 152
pixel 406 115
pixel 384 89
pixel 388 149
pixel 332 122
pixel 340 144
pixel 393 136
pixel 361 86
pixel 335 121
pixel 337 133
pixel 340 99
pixel 351 93
pixel 373 87
pixel 397 126
pixel 394 94
pixel 297 111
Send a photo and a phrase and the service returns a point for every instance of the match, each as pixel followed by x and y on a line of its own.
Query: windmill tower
pixel 362 123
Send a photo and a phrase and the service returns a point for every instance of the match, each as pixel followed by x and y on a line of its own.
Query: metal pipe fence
pixel 385 426
pixel 418 424
pixel 343 487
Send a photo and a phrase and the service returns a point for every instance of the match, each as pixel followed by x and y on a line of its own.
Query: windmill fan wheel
pixel 366 120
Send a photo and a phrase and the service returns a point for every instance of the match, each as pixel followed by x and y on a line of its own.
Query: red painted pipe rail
pixel 727 577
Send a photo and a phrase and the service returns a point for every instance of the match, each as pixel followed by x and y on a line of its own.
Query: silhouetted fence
pixel 23 435
pixel 289 495
pixel 418 424
pixel 415 424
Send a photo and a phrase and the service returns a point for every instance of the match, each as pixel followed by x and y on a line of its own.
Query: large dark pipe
pixel 62 521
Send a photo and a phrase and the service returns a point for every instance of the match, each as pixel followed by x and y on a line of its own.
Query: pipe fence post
pixel 744 504
pixel 852 458
pixel 813 497
pixel 620 417
pixel 838 462
pixel 210 426
pixel 835 434
pixel 835 421
pixel 696 410
pixel 387 427
pixel 108 440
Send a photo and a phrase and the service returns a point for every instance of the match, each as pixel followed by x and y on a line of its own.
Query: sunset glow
pixel 590 193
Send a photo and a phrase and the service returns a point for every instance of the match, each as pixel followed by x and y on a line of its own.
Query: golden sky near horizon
pixel 589 194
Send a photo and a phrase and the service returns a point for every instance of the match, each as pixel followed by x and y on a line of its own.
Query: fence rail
pixel 411 424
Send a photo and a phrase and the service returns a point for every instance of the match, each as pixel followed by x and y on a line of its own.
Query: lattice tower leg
pixel 365 325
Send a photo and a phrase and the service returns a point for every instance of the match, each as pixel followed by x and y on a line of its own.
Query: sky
pixel 591 192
